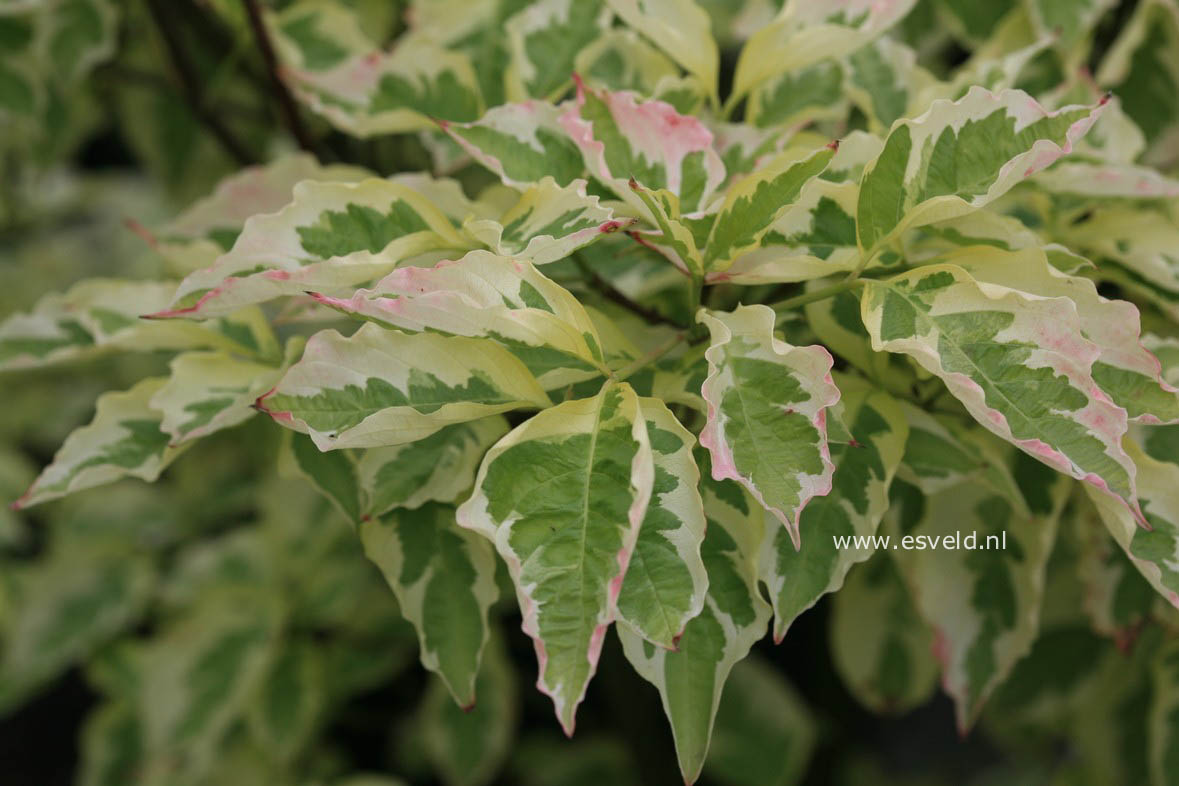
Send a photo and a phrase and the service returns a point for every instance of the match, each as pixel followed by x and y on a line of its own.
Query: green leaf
pixel 959 156
pixel 562 497
pixel 1018 363
pixel 123 440
pixel 666 581
pixel 444 580
pixel 381 387
pixel 691 677
pixel 764 733
pixel 1163 744
pixel 767 404
pixel 880 647
pixel 865 463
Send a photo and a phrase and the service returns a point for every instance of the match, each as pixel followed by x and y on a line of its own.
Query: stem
pixel 190 82
pixel 286 103
pixel 650 357
pixel 606 290
pixel 819 294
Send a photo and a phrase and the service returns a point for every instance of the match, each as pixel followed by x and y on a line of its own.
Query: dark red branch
pixel 286 102
pixel 190 84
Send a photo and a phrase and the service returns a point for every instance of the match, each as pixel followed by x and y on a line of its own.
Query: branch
pixel 606 290
pixel 190 84
pixel 286 103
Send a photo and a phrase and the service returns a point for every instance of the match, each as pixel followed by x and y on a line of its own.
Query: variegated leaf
pixel 839 525
pixel 1066 24
pixel 123 440
pixel 468 746
pixel 691 677
pixel 111 745
pixel 1142 67
pixel 444 580
pixel 1126 181
pixel 64 606
pixel 1140 241
pixel 485 295
pixel 332 473
pixel 803 34
pixel 206 230
pixel 767 403
pixel 886 83
pixel 198 677
pixel 209 391
pixel 1163 728
pixel 666 581
pixel 810 94
pixel 623 139
pixel 1153 549
pixel 332 67
pixel 439 468
pixel 681 28
pixel 982 599
pixel 332 235
pixel 753 204
pixel 544 39
pixel 1125 370
pixel 522 143
pixel 621 59
pixel 549 223
pixel 1117 598
pixel 381 387
pixel 880 647
pixel 100 315
pixel 676 239
pixel 291 699
pixel 764 732
pixel 562 497
pixel 815 237
pixel 959 156
pixel 1019 363
pixel 942 452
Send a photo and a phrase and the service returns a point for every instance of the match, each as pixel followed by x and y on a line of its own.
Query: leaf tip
pixel 833 145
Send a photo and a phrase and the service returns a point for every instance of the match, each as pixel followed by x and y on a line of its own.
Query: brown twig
pixel 286 103
pixel 190 83
pixel 606 290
